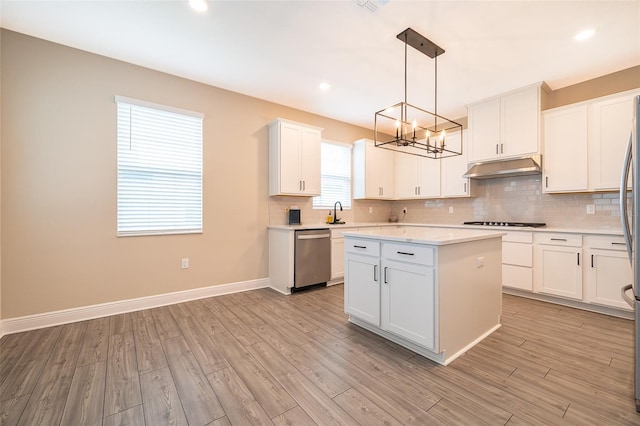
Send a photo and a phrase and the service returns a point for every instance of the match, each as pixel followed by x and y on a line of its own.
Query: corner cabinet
pixel 294 158
pixel 507 125
pixel 607 270
pixel 610 123
pixel 591 137
pixel 565 141
pixel 373 171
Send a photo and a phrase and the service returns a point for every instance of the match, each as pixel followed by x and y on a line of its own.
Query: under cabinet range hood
pixel 508 167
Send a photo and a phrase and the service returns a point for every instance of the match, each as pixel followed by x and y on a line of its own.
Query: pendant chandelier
pixel 412 130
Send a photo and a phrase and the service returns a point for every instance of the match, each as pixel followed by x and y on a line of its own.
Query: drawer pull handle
pixel 364 247
pixel 559 239
pixel 618 244
pixel 405 253
pixel 375 272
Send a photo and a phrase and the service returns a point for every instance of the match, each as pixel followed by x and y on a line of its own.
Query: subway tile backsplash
pixel 505 199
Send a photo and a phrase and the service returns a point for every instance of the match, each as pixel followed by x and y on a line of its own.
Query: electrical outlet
pixel 370 209
pixel 450 209
pixel 480 262
pixel 404 210
pixel 591 209
pixel 185 263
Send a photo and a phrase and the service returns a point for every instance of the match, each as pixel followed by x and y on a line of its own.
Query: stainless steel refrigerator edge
pixel 632 232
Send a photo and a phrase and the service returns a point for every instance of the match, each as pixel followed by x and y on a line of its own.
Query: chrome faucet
pixel 336 219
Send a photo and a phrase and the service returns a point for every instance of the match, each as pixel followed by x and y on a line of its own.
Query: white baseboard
pixel 48 319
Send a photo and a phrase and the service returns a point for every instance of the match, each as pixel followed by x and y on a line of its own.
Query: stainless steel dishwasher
pixel 312 262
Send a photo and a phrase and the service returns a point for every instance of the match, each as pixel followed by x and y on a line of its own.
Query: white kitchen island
pixel 435 291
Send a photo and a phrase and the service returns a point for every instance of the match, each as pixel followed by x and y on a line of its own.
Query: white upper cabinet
pixel 565 140
pixel 585 143
pixel 452 183
pixel 417 177
pixel 373 171
pixel 610 122
pixel 294 158
pixel 506 125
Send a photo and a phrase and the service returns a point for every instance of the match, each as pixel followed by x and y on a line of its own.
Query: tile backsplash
pixel 505 199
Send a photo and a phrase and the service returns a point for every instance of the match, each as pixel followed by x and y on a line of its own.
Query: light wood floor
pixel 263 358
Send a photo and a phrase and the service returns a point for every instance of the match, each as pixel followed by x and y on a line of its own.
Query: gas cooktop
pixel 498 223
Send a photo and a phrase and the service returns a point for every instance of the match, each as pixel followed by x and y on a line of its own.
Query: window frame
pixel 331 205
pixel 194 168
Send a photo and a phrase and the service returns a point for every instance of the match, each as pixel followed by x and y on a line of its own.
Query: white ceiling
pixel 281 50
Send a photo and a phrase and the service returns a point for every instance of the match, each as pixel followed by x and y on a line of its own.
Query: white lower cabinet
pixel 337 258
pixel 408 302
pixel 517 260
pixel 362 296
pixel 607 270
pixel 432 299
pixel 337 253
pixel 558 265
pixel 362 271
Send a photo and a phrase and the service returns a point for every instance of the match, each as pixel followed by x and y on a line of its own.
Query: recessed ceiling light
pixel 585 34
pixel 199 5
pixel 324 86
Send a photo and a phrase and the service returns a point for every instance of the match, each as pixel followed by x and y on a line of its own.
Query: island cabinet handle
pixel 405 253
pixel 618 244
pixel 558 239
pixel 578 258
pixel 385 275
pixel 592 261
pixel 375 272
pixel 360 247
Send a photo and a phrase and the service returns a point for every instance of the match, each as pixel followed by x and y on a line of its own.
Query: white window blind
pixel 159 169
pixel 335 173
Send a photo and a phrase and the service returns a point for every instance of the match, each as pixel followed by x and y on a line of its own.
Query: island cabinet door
pixel 408 302
pixel 362 287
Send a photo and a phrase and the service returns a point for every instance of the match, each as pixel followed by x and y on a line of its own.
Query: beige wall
pixel 0 182
pixel 59 244
pixel 58 182
pixel 605 85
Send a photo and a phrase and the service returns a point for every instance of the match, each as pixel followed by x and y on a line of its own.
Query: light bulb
pixel 199 5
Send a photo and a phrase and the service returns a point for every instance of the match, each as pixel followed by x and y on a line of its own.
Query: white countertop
pixel 587 231
pixel 416 235
pixel 326 225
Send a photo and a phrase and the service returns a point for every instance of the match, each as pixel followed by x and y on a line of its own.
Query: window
pixel 159 169
pixel 335 174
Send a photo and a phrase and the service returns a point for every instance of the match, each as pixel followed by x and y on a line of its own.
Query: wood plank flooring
pixel 261 358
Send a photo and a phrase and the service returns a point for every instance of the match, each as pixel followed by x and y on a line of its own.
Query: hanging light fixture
pixel 407 128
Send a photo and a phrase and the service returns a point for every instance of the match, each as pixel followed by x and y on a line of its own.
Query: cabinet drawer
pixel 519 277
pixel 409 253
pixel 569 240
pixel 366 247
pixel 518 237
pixel 518 254
pixel 605 242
